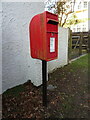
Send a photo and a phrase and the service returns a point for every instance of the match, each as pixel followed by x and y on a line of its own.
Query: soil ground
pixel 69 98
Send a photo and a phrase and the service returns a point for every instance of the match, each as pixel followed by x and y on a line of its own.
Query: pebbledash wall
pixel 17 65
pixel 0 48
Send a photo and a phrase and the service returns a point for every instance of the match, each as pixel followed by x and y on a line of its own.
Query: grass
pixel 80 63
pixel 89 63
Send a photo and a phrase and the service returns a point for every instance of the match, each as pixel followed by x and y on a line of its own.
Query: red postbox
pixel 44 36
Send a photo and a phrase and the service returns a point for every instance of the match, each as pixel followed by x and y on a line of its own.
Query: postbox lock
pixel 52 34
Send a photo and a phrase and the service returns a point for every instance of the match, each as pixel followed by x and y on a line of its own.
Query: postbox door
pixel 52 40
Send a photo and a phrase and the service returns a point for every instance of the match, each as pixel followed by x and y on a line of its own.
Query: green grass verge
pixel 80 63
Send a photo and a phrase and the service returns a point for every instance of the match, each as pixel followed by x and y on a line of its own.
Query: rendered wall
pixel 0 48
pixel 0 60
pixel 17 65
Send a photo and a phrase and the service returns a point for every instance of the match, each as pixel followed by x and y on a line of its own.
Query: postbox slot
pixel 51 21
pixel 52 32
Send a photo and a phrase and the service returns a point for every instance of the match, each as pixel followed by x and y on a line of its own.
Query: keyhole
pixel 52 34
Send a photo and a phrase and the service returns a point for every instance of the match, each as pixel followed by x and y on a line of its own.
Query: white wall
pixel 0 48
pixel 0 60
pixel 17 65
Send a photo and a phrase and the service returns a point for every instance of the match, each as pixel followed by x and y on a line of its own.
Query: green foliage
pixel 72 20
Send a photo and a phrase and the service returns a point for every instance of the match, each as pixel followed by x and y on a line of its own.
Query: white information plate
pixel 52 44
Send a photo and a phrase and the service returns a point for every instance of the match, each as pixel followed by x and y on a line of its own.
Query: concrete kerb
pixel 77 58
